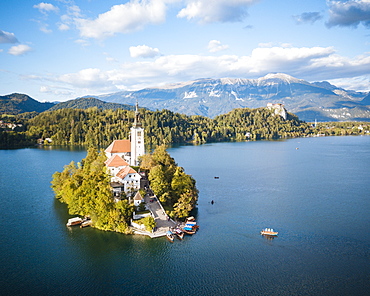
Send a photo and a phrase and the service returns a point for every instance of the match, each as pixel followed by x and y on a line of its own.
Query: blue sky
pixel 63 49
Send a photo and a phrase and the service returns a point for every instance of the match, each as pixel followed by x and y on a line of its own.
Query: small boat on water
pixel 86 223
pixel 74 221
pixel 170 236
pixel 179 233
pixel 188 229
pixel 269 231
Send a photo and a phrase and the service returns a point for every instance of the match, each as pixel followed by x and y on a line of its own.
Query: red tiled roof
pixel 119 146
pixel 116 161
pixel 125 171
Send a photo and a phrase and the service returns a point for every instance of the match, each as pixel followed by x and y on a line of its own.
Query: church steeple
pixel 137 122
pixel 137 138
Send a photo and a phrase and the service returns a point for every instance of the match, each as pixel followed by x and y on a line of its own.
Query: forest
pixel 98 128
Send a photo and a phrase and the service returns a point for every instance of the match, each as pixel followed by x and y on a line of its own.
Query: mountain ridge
pixel 214 96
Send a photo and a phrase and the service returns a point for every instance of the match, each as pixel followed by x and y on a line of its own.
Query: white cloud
pixel 123 18
pixel 46 7
pixel 205 11
pixel 6 37
pixel 360 83
pixel 215 46
pixel 45 89
pixel 86 78
pixel 19 49
pixel 63 27
pixel 312 64
pixel 349 13
pixel 143 51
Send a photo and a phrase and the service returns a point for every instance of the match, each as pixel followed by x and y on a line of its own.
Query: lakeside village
pixel 122 156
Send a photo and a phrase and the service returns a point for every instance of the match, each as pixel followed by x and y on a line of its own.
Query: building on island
pixel 121 155
pixel 278 108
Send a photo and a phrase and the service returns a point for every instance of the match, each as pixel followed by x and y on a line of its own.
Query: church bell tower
pixel 137 138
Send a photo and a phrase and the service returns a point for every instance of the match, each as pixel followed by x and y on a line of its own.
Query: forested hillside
pixel 20 103
pixel 96 127
pixel 85 103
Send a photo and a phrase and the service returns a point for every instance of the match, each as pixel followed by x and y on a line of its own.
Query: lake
pixel 314 191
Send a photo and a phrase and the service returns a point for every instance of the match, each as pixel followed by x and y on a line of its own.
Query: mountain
pixel 20 103
pixel 89 102
pixel 211 97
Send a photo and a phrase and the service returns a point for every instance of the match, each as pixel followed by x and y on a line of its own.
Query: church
pixel 121 155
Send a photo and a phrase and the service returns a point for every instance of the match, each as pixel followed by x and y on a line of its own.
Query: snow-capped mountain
pixel 211 97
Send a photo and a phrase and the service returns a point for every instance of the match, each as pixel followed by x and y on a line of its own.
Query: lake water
pixel 314 191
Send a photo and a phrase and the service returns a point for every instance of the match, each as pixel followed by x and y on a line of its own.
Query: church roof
pixel 125 171
pixel 119 146
pixel 116 161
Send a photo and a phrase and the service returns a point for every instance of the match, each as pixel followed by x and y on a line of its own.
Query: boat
pixel 170 236
pixel 269 231
pixel 74 221
pixel 179 233
pixel 86 223
pixel 190 219
pixel 188 230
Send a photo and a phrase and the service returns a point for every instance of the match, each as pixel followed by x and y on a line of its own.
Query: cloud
pixel 6 37
pixel 308 17
pixel 309 63
pixel 123 18
pixel 19 49
pixel 349 13
pixel 143 51
pixel 86 78
pixel 46 7
pixel 216 11
pixel 215 46
pixel 360 83
pixel 63 27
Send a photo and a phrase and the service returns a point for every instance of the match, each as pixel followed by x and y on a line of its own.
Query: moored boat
pixel 170 236
pixel 74 221
pixel 86 223
pixel 179 233
pixel 269 231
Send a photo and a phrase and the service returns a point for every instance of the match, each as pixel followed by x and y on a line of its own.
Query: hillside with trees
pixel 20 103
pixel 86 103
pixel 98 127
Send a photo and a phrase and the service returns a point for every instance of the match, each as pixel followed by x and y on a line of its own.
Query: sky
pixel 63 49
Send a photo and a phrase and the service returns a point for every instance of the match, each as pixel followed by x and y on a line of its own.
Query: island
pixel 126 190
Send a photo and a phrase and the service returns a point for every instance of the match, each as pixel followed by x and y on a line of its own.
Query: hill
pixel 19 103
pixel 211 97
pixel 89 102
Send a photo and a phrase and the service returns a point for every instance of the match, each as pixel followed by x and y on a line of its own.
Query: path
pixel 160 217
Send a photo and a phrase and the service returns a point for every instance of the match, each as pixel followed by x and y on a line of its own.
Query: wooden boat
pixel 74 221
pixel 189 229
pixel 170 236
pixel 179 233
pixel 85 223
pixel 269 231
